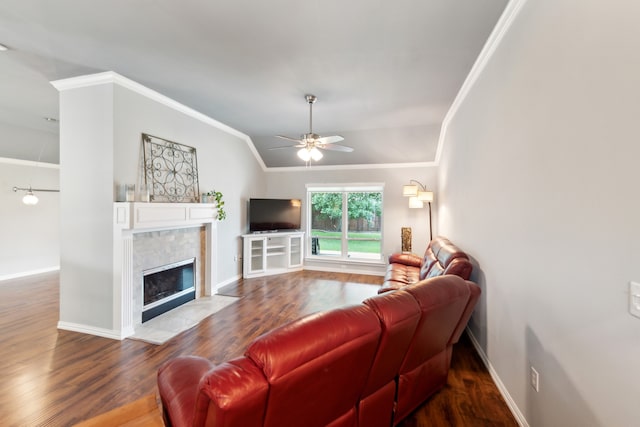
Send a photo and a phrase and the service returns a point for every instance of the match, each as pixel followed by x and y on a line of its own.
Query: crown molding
pixel 313 167
pixel 111 77
pixel 507 18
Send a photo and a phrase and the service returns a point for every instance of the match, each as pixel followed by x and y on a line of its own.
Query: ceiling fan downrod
pixel 311 99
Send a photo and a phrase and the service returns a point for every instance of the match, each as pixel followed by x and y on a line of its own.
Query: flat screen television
pixel 274 215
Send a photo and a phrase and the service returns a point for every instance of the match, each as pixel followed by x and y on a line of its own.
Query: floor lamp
pixel 418 194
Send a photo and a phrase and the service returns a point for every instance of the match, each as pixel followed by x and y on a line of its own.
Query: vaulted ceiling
pixel 385 73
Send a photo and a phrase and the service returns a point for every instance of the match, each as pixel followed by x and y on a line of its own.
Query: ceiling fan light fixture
pixel 310 144
pixel 315 154
pixel 304 154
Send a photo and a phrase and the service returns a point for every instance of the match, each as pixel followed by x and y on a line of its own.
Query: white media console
pixel 272 253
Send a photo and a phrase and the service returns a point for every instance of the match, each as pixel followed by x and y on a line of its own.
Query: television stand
pixel 272 253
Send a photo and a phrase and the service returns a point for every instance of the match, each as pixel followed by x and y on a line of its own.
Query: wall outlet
pixel 535 379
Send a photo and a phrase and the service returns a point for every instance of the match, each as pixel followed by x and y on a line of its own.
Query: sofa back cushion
pixel 443 301
pixel 399 314
pixel 317 366
pixel 443 257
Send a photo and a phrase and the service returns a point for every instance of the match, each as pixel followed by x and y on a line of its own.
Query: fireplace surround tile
pixel 156 248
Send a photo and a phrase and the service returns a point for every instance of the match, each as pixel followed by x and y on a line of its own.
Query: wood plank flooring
pixel 59 378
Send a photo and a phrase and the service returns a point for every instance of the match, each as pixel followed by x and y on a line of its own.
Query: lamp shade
pixel 425 196
pixel 415 203
pixel 409 190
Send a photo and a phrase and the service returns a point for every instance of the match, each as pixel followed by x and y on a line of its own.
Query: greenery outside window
pixel 345 222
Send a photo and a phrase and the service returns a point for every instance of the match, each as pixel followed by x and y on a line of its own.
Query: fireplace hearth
pixel 167 287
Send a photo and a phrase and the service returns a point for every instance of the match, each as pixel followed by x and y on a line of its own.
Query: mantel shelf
pixel 144 216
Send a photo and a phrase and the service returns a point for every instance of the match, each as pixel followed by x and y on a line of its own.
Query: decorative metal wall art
pixel 170 170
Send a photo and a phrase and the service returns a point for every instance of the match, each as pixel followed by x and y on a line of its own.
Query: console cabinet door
pixel 255 256
pixel 296 255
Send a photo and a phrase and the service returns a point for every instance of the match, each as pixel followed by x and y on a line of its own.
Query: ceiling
pixel 385 73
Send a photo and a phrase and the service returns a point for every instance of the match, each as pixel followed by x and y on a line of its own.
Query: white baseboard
pixel 496 379
pixel 345 269
pixel 226 282
pixel 29 273
pixel 92 330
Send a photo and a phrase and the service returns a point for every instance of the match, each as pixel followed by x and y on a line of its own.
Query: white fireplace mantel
pixel 138 217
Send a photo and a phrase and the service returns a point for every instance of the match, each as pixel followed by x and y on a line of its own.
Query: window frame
pixel 344 189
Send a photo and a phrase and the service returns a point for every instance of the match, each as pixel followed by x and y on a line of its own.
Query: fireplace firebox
pixel 167 287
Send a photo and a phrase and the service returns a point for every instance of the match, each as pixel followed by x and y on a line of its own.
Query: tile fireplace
pixel 150 235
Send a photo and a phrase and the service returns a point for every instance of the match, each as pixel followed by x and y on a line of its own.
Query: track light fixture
pixel 30 198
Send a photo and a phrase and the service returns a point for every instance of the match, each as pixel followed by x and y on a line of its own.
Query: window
pixel 345 222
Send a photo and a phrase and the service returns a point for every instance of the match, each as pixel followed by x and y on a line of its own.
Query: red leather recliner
pixel 441 257
pixel 310 372
pixel 446 304
pixel 344 367
pixel 399 315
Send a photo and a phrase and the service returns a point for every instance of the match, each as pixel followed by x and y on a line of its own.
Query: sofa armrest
pixel 178 384
pixel 232 394
pixel 474 296
pixel 409 259
pixel 195 392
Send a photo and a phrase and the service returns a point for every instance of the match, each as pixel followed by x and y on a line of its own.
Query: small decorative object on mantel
pixel 406 239
pixel 170 171
pixel 215 197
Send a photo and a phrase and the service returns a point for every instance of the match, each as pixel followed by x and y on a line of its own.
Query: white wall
pixel 101 127
pixel 30 234
pixel 27 143
pixel 396 212
pixel 225 163
pixel 86 206
pixel 538 182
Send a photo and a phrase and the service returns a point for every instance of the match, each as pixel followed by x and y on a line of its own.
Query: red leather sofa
pixel 441 257
pixel 344 367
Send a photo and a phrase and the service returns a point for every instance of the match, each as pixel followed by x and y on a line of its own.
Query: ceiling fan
pixel 310 143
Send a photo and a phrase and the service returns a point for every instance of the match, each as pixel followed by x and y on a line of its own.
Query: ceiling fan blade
pixel 289 138
pixel 335 147
pixel 287 146
pixel 329 139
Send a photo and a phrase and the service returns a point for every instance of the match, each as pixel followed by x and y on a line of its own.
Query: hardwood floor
pixel 59 378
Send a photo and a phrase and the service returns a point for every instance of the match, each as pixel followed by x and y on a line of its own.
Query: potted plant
pixel 216 197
